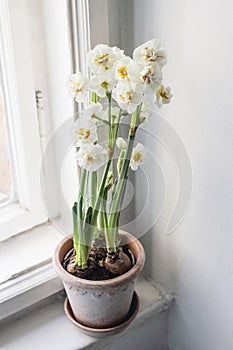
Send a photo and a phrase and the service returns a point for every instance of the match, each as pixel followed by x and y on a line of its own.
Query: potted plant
pixel 98 263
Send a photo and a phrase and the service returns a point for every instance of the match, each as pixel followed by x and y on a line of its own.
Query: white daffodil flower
pixel 94 108
pixel 163 96
pixel 86 131
pixel 145 78
pixel 127 98
pixel 138 156
pixel 121 144
pixel 92 111
pixel 91 157
pixel 78 86
pixel 150 52
pixel 102 83
pixel 101 58
pixel 121 68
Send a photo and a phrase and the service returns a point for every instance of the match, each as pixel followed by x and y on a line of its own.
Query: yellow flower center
pixel 90 159
pixel 137 157
pixel 123 72
pixel 83 133
pixel 129 95
pixel 78 87
pixel 104 85
pixel 149 54
pixel 163 93
pixel 103 60
pixel 122 97
pixel 146 76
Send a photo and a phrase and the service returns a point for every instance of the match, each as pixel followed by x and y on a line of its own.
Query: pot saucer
pixel 102 332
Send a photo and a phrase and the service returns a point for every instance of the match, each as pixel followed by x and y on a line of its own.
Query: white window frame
pixel 37 282
pixel 25 209
pixel 86 28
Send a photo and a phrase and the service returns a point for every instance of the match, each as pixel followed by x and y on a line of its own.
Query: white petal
pixel 101 83
pixel 91 157
pixel 78 86
pixel 127 98
pixel 133 165
pixel 101 58
pixel 131 108
pixel 150 52
pixel 145 78
pixel 121 68
pixel 121 143
pixel 86 131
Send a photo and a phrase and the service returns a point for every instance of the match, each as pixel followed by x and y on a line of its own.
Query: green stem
pixel 99 198
pixel 90 226
pixel 93 179
pixel 94 97
pixel 105 174
pixel 120 161
pixel 100 119
pixel 121 184
pixel 82 183
pixel 110 126
pixel 75 225
pixel 88 231
pixel 81 257
pixel 100 193
pixel 118 123
pixel 78 216
pixel 103 212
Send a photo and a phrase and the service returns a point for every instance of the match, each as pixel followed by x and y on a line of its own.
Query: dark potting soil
pixel 96 270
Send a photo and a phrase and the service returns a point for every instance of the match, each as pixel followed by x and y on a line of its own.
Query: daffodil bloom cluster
pixel 127 86
pixel 131 82
pixel 90 155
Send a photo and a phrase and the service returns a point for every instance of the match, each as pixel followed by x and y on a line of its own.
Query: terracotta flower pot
pixel 105 303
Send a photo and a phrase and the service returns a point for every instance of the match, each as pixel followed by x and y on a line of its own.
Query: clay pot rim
pixel 135 270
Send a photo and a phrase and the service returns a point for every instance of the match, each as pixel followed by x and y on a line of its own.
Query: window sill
pixel 48 328
pixel 28 275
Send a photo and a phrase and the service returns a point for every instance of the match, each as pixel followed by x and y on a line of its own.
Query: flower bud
pixel 121 143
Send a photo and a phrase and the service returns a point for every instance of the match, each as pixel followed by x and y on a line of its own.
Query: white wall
pixel 196 261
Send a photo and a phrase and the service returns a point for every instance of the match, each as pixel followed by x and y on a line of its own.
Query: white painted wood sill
pixel 48 328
